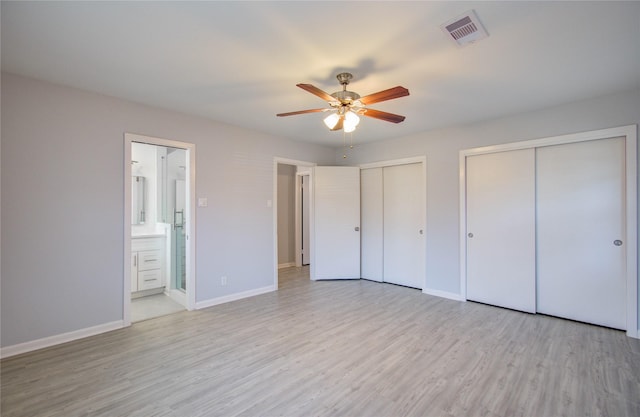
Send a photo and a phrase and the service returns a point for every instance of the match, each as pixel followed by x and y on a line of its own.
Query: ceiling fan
pixel 345 106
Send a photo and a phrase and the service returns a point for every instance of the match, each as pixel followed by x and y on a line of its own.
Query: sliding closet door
pixel 581 255
pixel 371 195
pixel 501 229
pixel 404 249
pixel 336 227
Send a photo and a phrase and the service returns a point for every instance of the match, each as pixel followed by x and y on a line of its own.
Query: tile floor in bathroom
pixel 156 305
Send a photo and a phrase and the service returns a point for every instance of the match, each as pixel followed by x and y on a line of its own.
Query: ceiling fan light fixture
pixel 331 120
pixel 351 120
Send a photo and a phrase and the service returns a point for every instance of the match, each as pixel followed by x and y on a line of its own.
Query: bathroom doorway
pixel 159 206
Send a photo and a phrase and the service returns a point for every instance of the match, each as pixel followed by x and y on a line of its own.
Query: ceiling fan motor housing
pixel 346 97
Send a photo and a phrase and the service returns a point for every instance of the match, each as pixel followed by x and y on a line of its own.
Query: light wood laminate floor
pixel 334 348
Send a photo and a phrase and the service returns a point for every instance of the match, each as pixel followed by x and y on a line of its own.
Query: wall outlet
pixel 223 280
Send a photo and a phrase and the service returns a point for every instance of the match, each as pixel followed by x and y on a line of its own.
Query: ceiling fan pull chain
pixel 344 144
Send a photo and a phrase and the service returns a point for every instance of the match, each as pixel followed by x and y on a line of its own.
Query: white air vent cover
pixel 464 29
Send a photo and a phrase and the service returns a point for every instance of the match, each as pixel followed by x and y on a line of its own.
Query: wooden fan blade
pixel 318 92
pixel 293 113
pixel 383 115
pixel 390 94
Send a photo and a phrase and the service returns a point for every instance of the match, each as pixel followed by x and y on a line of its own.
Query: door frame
pixel 274 207
pixel 190 220
pixel 631 194
pixel 299 218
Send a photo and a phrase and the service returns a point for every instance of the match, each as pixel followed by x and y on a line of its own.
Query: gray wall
pixel 63 203
pixel 286 213
pixel 62 196
pixel 442 148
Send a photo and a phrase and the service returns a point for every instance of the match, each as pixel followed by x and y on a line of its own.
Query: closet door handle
pixel 617 242
pixel 357 229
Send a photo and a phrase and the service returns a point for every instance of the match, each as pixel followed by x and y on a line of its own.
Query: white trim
pixel 274 207
pixel 393 162
pixel 631 214
pixel 190 149
pixel 443 294
pixel 613 132
pixel 286 265
pixel 234 297
pixel 631 153
pixel 462 249
pixel 298 216
pixel 126 300
pixel 45 342
pixel 176 295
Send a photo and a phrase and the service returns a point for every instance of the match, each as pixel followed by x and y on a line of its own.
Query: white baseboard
pixel 443 294
pixel 25 347
pixel 233 297
pixel 286 265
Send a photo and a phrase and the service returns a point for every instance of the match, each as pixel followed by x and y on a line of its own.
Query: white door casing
pixel 305 213
pixel 190 226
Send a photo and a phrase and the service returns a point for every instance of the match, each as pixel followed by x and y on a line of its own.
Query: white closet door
pixel 371 195
pixel 501 229
pixel 336 214
pixel 580 200
pixel 404 250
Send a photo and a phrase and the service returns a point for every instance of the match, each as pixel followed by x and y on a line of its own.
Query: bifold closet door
pixel 500 197
pixel 371 195
pixel 581 255
pixel 404 248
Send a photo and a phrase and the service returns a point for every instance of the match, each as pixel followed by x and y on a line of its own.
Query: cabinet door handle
pixel 147 280
pixel 150 260
pixel 135 260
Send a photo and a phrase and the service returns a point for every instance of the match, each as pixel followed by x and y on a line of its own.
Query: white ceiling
pixel 239 62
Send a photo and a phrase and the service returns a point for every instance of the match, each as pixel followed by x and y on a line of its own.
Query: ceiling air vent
pixel 464 29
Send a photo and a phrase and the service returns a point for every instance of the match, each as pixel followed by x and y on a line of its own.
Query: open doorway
pixel 158 225
pixel 292 213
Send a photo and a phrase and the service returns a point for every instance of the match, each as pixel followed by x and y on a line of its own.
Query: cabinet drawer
pixel 149 279
pixel 147 243
pixel 149 259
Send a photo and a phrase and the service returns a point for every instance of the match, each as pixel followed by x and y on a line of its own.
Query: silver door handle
pixel 617 242
pixel 470 235
pixel 357 229
pixel 421 231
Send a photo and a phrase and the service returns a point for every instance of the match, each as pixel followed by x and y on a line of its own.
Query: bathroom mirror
pixel 137 200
